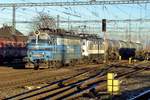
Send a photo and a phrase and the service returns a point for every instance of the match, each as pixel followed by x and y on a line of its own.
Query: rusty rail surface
pixel 90 81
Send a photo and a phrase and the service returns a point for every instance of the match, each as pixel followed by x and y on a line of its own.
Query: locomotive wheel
pixel 71 63
pixel 79 61
pixel 58 64
pixel 46 64
pixel 51 64
pixel 36 66
pixel 29 65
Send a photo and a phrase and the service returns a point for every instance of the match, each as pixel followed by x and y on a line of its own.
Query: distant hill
pixel 7 31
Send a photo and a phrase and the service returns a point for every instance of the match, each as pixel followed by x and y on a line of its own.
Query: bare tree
pixel 43 20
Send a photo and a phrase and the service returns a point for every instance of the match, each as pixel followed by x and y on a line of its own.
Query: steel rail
pixel 100 86
pixel 54 85
pixel 77 85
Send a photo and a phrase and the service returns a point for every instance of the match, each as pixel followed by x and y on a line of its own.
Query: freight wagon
pixel 12 48
pixel 93 49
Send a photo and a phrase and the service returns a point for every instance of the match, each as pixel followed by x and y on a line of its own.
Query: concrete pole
pixel 58 20
pixel 68 23
pixel 105 48
pixel 14 20
pixel 105 40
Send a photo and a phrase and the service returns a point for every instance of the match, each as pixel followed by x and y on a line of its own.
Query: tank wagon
pixel 93 49
pixel 48 48
pixel 12 48
pixel 52 50
pixel 132 49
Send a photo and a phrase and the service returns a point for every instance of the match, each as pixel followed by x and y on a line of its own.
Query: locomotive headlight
pixel 31 53
pixel 43 53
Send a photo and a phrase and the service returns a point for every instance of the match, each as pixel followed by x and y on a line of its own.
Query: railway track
pixel 58 84
pixel 27 78
pixel 14 79
pixel 90 81
pixel 21 78
pixel 101 86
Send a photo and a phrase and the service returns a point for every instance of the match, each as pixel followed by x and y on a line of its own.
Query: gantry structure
pixel 94 21
pixel 74 3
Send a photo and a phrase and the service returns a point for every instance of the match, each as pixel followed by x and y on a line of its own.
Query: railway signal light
pixel 103 25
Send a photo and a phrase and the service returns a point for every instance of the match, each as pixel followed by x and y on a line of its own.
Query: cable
pixel 113 15
pixel 122 11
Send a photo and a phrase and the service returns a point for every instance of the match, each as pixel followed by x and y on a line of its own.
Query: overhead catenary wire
pixel 61 12
pixel 70 10
pixel 75 3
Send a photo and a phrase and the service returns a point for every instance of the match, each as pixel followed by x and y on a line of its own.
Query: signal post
pixel 105 40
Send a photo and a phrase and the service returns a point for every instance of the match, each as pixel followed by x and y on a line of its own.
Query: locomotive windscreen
pixel 43 36
pixel 39 41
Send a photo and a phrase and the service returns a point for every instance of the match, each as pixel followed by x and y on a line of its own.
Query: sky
pixel 94 12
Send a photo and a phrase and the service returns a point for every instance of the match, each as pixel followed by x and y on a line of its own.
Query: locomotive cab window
pixel 83 43
pixel 33 41
pixel 39 41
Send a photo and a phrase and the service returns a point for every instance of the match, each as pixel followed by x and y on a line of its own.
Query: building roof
pixel 7 31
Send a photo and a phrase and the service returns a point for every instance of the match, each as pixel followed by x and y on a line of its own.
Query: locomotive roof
pixel 59 32
pixel 62 32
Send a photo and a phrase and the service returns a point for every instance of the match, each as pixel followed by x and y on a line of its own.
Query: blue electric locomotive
pixel 51 50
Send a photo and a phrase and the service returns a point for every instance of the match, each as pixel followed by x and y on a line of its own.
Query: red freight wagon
pixel 12 48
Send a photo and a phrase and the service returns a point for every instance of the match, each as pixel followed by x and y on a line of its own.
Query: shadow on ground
pixel 127 95
pixel 19 65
